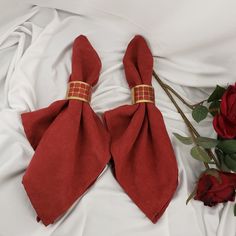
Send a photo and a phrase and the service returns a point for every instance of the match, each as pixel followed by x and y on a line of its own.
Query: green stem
pixel 191 106
pixel 213 157
pixel 191 129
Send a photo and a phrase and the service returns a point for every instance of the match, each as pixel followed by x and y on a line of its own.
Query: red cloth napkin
pixel 71 144
pixel 144 161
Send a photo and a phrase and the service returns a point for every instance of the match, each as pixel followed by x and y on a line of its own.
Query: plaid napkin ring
pixel 143 93
pixel 79 90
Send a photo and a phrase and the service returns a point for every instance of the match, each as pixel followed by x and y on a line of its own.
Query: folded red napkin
pixel 70 142
pixel 144 161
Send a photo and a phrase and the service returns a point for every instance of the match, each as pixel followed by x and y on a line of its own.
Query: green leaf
pixel 230 162
pixel 214 108
pixel 227 146
pixel 221 159
pixel 235 210
pixel 217 94
pixel 182 139
pixel 206 142
pixel 200 154
pixel 199 113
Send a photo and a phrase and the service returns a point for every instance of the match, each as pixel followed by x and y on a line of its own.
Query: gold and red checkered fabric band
pixel 143 93
pixel 79 90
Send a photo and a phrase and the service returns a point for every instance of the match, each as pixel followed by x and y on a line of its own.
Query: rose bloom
pixel 225 122
pixel 211 190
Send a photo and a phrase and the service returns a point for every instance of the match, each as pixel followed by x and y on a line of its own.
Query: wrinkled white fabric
pixel 193 43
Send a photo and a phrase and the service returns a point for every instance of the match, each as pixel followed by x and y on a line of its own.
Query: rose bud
pixel 225 122
pixel 219 188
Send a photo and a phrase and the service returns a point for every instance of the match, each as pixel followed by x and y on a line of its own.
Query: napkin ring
pixel 79 90
pixel 143 93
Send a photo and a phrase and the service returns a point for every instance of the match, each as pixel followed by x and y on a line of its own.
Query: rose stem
pixel 191 129
pixel 181 98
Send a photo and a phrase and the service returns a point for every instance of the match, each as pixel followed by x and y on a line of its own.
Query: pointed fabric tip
pixel 86 63
pixel 71 144
pixel 139 61
pixel 144 159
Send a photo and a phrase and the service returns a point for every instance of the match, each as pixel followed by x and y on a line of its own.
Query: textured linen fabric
pixel 71 144
pixel 193 44
pixel 144 161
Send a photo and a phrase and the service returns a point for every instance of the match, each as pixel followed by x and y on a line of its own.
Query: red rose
pixel 211 190
pixel 225 122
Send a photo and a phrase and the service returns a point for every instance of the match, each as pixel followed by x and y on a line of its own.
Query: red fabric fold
pixel 144 161
pixel 70 142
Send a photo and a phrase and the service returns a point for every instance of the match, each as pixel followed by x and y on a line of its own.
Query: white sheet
pixel 194 49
